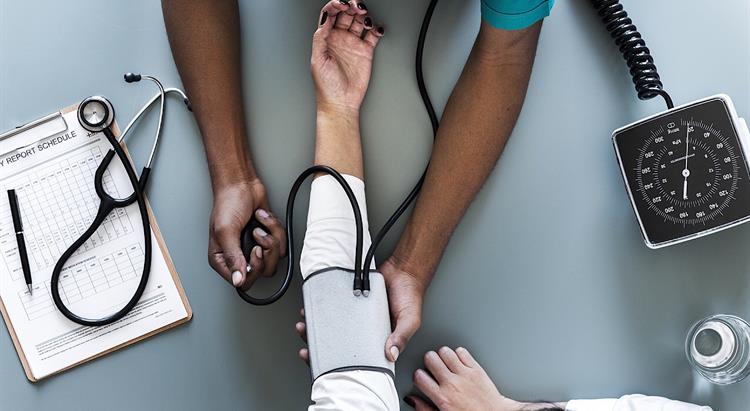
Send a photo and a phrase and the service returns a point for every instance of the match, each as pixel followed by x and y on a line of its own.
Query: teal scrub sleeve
pixel 515 14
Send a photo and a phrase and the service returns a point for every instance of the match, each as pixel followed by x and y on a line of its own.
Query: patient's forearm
pixel 337 142
pixel 478 119
pixel 205 40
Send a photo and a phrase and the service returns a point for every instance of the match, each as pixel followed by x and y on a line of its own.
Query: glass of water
pixel 718 348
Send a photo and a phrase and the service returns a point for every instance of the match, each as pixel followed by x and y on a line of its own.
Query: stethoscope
pixel 96 115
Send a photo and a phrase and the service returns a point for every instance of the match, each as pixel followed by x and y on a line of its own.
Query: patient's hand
pixel 343 47
pixel 454 381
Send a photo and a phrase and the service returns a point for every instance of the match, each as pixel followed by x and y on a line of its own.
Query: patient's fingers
pixel 451 360
pixel 301 329
pixel 373 36
pixel 304 355
pixel 334 7
pixel 326 21
pixel 426 384
pixel 436 366
pixel 420 404
pixel 465 356
pixel 359 6
pixel 344 20
pixel 360 24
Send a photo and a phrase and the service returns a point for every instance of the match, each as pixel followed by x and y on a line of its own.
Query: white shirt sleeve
pixel 634 402
pixel 331 236
pixel 355 391
pixel 330 242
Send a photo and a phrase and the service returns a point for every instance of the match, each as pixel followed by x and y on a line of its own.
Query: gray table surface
pixel 547 279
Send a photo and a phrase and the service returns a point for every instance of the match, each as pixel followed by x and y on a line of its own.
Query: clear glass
pixel 718 348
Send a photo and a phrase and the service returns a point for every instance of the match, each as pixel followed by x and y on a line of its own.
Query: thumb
pixel 418 403
pixel 407 323
pixel 229 241
pixel 325 25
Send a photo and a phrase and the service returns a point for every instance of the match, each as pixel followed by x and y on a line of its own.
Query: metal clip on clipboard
pixel 50 125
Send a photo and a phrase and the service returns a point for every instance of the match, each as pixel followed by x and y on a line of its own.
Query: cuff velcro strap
pixel 346 332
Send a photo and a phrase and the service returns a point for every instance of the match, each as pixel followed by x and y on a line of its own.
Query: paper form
pixel 54 180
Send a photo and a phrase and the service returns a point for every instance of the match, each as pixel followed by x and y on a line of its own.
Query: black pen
pixel 18 228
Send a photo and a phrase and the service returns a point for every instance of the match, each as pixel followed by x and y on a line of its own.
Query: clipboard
pixel 49 126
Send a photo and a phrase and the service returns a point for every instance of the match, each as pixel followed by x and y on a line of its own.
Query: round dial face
pixel 687 171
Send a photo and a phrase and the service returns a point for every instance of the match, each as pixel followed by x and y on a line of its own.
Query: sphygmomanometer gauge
pixel 686 170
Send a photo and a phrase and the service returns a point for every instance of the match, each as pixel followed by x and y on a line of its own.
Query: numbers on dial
pixel 687 172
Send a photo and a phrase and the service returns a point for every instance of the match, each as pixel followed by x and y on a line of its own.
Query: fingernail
pixel 258 252
pixel 323 18
pixel 368 22
pixel 236 278
pixel 410 402
pixel 248 268
pixel 394 353
pixel 260 232
pixel 362 6
pixel 261 212
pixel 381 30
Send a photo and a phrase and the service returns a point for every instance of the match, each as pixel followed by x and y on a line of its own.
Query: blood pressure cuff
pixel 346 332
pixel 515 14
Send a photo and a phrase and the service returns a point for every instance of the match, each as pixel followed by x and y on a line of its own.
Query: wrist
pixel 225 180
pixel 539 406
pixel 419 260
pixel 232 168
pixel 417 277
pixel 337 111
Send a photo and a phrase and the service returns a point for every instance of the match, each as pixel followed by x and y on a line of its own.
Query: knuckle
pixel 273 241
pixel 222 229
pixel 415 376
pixel 441 401
pixel 416 323
pixel 399 340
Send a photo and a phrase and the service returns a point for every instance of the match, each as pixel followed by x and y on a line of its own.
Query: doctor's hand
pixel 405 295
pixel 233 207
pixel 342 52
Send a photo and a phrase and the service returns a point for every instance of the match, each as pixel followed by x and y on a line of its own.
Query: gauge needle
pixel 686 171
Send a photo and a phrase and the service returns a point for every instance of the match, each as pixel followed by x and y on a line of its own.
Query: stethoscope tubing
pixel 318 169
pixel 106 205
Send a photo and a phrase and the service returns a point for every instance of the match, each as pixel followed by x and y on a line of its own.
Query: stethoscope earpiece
pixel 132 77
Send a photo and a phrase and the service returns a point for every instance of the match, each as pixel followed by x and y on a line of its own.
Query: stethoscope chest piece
pixel 96 113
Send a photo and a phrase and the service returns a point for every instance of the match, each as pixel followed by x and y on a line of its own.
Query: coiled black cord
pixel 361 271
pixel 633 48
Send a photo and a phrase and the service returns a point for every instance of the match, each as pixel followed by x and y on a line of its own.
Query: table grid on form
pixel 85 279
pixel 58 202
